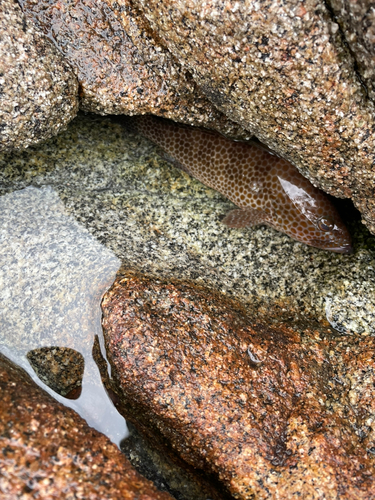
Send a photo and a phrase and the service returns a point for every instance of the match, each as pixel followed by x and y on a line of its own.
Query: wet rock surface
pixel 121 67
pixel 160 221
pixel 61 368
pixel 39 92
pixel 157 219
pixel 167 471
pixel 283 71
pixel 48 451
pixel 270 410
pixel 357 21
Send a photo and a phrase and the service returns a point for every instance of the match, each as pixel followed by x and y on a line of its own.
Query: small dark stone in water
pixel 61 368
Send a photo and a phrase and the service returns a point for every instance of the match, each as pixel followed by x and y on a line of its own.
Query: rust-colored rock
pixel 272 411
pixel 47 451
pixel 121 67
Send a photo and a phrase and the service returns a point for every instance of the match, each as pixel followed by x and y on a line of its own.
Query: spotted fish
pixel 266 189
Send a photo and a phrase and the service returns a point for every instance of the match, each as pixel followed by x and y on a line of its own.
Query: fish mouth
pixel 345 248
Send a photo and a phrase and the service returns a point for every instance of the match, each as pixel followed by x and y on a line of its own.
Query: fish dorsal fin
pixel 245 217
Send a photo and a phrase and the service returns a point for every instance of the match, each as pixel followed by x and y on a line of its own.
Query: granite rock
pixel 272 411
pixel 61 368
pixel 121 67
pixel 160 221
pixel 157 219
pixel 280 71
pixel 357 22
pixel 48 451
pixel 283 71
pixel 38 90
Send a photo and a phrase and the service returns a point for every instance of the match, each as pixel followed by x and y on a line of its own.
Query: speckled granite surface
pixel 357 21
pixel 39 92
pixel 282 70
pixel 53 274
pixel 120 66
pixel 61 368
pixel 156 218
pixel 272 411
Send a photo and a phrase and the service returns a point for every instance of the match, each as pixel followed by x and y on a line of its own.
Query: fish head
pixel 318 222
pixel 333 235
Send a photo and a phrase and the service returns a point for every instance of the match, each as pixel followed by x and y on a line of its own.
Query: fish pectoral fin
pixel 174 162
pixel 244 217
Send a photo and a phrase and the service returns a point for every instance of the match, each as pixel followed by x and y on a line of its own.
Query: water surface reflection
pixel 53 274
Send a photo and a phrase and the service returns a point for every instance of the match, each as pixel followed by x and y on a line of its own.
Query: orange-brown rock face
pixel 272 411
pixel 47 451
pixel 120 66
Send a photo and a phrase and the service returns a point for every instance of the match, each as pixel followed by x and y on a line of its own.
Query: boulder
pixel 121 67
pixel 357 22
pixel 38 90
pixel 48 451
pixel 272 410
pixel 283 71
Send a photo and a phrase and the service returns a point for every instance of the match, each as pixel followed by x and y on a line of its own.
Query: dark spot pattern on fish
pixel 266 188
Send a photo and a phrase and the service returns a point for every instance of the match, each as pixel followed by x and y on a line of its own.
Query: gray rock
pixel 159 220
pixel 38 90
pixel 357 21
pixel 282 71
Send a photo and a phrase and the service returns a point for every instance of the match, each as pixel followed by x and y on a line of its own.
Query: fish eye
pixel 325 224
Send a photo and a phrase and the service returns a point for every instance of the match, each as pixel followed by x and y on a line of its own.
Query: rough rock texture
pixel 166 469
pixel 38 90
pixel 159 220
pixel 357 21
pixel 48 451
pixel 121 68
pixel 273 411
pixel 281 70
pixel 61 368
